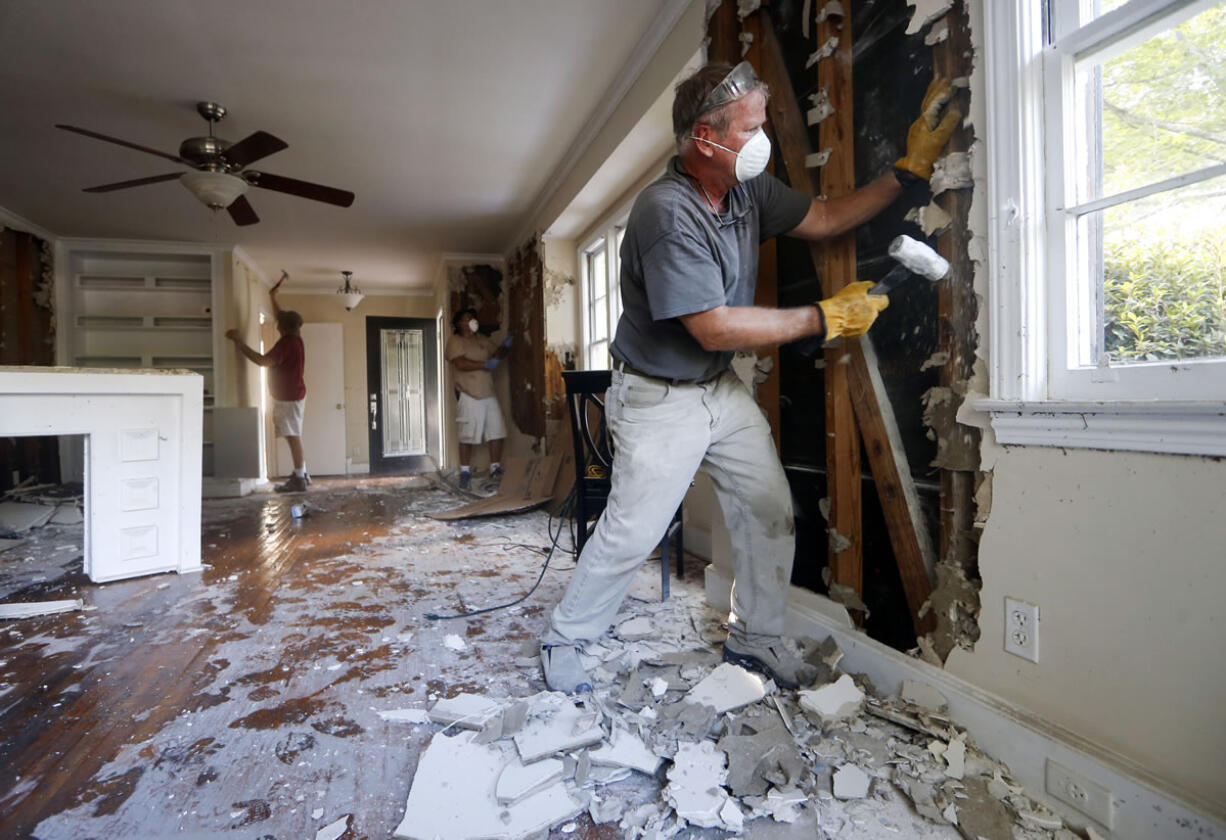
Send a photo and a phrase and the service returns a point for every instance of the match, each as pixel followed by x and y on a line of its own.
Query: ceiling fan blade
pixel 242 212
pixel 302 189
pixel 253 147
pixel 118 142
pixel 137 182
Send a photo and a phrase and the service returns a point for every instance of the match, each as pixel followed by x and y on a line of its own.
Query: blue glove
pixel 506 342
pixel 490 364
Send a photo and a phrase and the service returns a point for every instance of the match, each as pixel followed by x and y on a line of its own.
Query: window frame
pixel 608 236
pixel 1033 400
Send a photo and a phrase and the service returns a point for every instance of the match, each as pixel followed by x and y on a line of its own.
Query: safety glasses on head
pixel 739 81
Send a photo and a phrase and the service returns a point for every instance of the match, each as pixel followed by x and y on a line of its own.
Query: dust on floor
pixel 247 701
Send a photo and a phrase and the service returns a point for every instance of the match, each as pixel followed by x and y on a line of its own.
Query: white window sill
pixel 1184 428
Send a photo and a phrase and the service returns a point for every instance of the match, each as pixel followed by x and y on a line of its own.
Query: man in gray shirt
pixel 689 267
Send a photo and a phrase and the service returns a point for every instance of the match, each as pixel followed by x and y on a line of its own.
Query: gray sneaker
pixel 563 670
pixel 771 659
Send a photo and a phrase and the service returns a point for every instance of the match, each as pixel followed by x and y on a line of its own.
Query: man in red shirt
pixel 285 361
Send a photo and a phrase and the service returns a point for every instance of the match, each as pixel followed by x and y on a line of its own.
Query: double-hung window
pixel 601 299
pixel 1107 202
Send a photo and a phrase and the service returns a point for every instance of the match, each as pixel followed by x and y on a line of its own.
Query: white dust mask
pixel 473 324
pixel 751 160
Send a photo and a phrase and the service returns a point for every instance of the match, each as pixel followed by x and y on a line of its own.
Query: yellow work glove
pixel 851 311
pixel 928 136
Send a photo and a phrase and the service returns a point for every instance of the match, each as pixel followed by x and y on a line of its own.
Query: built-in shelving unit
pixel 145 310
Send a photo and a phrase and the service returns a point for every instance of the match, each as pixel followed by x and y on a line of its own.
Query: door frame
pixel 401 464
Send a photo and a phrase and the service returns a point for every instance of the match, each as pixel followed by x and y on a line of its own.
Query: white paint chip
pixel 406 715
pixel 926 11
pixel 835 701
pixel 635 629
pixel 850 782
pixel 955 758
pixel 824 51
pixel 334 830
pixel 454 642
pixel 470 711
pixel 728 687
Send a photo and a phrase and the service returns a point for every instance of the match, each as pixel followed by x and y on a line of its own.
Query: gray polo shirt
pixel 678 257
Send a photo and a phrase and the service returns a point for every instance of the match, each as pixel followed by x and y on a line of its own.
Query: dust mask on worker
pixel 751 160
pixel 472 324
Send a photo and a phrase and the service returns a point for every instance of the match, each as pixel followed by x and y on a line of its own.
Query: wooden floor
pixel 243 701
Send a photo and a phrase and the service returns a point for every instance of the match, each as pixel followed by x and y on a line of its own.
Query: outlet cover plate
pixel 1022 629
pixel 1072 788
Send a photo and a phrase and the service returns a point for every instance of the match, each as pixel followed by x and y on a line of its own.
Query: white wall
pixel 1125 555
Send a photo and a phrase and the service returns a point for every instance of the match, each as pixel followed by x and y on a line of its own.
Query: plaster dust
pixel 307 666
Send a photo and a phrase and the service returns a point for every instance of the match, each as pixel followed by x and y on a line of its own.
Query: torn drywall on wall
pixel 558 287
pixel 958 179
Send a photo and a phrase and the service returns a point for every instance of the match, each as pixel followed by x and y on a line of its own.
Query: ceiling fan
pixel 219 177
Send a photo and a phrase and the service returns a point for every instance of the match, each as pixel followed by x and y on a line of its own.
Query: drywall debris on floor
pixel 37 608
pixel 6 544
pixel 334 830
pixel 19 517
pixel 728 687
pixel 850 782
pixel 839 700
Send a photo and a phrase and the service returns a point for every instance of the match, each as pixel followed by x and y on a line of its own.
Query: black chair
pixel 594 464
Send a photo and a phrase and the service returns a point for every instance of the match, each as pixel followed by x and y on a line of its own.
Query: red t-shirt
pixel 285 376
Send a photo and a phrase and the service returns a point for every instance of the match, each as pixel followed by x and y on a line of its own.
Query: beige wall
pixel 328 309
pixel 1125 555
pixel 245 299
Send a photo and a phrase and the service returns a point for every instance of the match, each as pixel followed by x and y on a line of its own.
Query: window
pixel 600 267
pixel 1107 197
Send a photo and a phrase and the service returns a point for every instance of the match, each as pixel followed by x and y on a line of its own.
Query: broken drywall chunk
pixel 746 39
pixel 32 609
pixel 469 711
pixel 817 159
pixel 922 694
pixel 824 51
pixel 332 831
pixel 930 218
pixel 635 629
pixel 926 11
pixel 937 359
pixel 937 34
pixel 838 542
pixel 732 817
pixel 843 594
pixel 518 780
pixel 68 514
pixel 952 172
pixel 955 758
pixel 605 810
pixel 6 544
pixel 833 9
pixel 838 700
pixel 821 107
pixel 745 8
pixel 850 782
pixel 751 758
pixel 406 715
pixel 454 642
pixel 695 784
pixel 559 727
pixel 453 796
pixel 728 687
pixel 16 517
pixel 625 749
pixel 982 815
pixel 783 805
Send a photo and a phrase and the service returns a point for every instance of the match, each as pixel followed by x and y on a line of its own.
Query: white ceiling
pixel 446 118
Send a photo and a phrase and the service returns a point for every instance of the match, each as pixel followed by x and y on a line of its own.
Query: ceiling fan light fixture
pixel 216 190
pixel 349 293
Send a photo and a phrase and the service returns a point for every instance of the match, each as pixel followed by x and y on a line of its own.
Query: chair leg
pixel 664 582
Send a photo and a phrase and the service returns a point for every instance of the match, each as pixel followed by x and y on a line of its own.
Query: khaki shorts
pixel 287 417
pixel 479 420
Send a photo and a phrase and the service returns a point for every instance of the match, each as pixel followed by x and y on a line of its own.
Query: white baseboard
pixel 230 488
pixel 1144 809
pixel 697 542
pixel 356 469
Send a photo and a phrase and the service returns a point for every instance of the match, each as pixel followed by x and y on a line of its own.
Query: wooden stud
pixel 893 478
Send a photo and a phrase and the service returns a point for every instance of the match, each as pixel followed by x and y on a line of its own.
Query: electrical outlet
pixel 1072 788
pixel 1022 629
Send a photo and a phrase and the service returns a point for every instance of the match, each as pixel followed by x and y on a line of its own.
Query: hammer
pixel 914 258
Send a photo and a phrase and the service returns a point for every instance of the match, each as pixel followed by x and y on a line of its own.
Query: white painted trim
pixel 460 258
pixel 1145 807
pixel 1182 428
pixel 9 219
pixel 146 246
pixel 1014 143
pixel 670 14
pixel 330 290
pixel 359 468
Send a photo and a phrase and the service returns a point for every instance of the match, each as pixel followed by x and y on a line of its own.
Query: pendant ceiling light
pixel 351 294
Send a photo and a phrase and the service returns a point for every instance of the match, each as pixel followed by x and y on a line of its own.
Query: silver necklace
pixel 714 206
